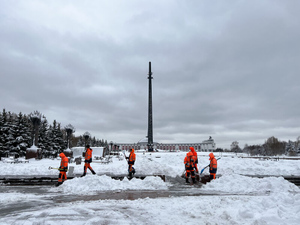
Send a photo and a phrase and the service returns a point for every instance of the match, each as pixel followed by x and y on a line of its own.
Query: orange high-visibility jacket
pixel 195 154
pixel 88 154
pixel 132 155
pixel 64 161
pixel 213 161
pixel 188 159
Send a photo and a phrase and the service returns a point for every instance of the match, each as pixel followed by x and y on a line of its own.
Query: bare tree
pixel 254 149
pixel 234 147
pixel 274 147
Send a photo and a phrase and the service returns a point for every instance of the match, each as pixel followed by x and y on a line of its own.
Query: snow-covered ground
pixel 230 199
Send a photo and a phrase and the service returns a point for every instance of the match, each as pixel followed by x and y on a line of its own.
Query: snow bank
pixel 238 184
pixel 91 184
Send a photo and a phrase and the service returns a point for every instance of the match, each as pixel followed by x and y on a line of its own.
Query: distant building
pixel 205 146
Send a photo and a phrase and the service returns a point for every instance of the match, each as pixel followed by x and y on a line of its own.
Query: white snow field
pixel 231 199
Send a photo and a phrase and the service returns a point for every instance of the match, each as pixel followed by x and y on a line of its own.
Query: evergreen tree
pixel 1 133
pixel 44 142
pixel 18 131
pixel 22 134
pixel 80 142
pixel 61 141
pixel 5 132
pixel 105 144
pixel 93 142
pixel 57 142
pixel 13 133
pixel 3 129
pixel 290 148
pixel 52 137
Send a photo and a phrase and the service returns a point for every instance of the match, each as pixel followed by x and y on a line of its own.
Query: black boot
pixel 187 180
pixel 194 180
pixel 93 172
pixel 84 173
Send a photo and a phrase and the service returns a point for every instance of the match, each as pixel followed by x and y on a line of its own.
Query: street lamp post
pixel 86 137
pixel 111 144
pixel 69 130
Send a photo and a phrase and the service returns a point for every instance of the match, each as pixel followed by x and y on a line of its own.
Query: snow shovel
pixel 183 174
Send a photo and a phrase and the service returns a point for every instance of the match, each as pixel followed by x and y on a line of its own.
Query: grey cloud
pixel 229 71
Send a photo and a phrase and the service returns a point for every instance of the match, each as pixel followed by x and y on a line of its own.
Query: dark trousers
pixel 212 173
pixel 130 167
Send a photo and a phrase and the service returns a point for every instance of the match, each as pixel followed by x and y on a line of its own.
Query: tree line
pixel 19 132
pixel 272 146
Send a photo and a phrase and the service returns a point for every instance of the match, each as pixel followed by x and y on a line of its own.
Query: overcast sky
pixel 226 69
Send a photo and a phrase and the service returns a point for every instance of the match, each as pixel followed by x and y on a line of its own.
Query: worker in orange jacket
pixel 88 160
pixel 189 167
pixel 131 160
pixel 212 166
pixel 195 158
pixel 62 169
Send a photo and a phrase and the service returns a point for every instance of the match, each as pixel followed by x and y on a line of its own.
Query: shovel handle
pixel 52 168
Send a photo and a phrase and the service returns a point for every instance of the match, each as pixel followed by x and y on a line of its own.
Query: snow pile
pixel 91 184
pixel 238 184
pixel 33 148
pixel 254 166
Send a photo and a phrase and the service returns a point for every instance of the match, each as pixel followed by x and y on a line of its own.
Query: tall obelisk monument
pixel 150 125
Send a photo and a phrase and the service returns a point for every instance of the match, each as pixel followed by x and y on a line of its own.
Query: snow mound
pixel 239 184
pixel 91 184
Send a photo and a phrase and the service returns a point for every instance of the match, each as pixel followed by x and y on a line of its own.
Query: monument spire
pixel 150 125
